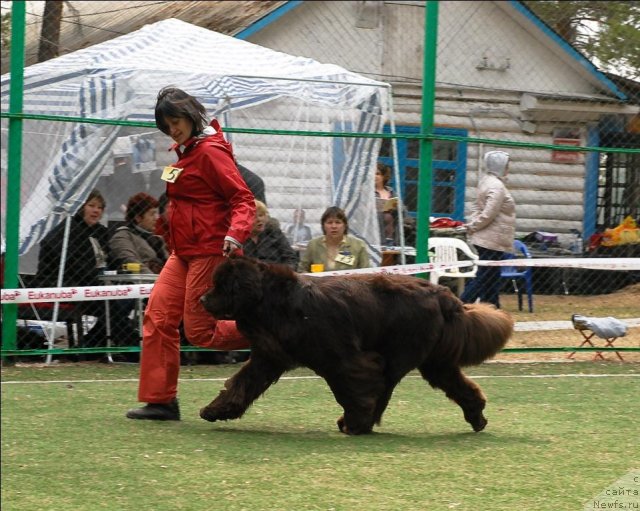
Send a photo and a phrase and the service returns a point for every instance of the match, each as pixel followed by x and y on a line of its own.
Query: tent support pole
pixel 14 163
pixel 56 306
pixel 396 175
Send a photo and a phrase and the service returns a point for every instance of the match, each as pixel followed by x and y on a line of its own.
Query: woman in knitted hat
pixel 491 228
pixel 136 242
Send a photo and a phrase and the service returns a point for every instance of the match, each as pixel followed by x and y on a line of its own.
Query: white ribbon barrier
pixel 126 291
pixel 406 269
pixel 76 294
pixel 595 263
pixel 120 292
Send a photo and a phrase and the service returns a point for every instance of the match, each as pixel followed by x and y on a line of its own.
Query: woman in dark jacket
pixel 86 257
pixel 86 249
pixel 267 242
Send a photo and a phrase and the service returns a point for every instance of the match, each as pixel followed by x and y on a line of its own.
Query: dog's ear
pixel 246 281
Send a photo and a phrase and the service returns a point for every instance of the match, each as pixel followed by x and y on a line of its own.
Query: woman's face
pixel 298 216
pixel 180 129
pixel 260 222
pixel 379 179
pixel 92 211
pixel 148 220
pixel 334 228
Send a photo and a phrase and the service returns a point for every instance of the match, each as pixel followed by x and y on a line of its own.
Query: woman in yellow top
pixel 336 250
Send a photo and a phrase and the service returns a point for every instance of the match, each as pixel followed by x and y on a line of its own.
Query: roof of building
pixel 85 23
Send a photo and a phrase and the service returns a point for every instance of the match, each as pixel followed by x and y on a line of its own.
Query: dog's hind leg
pixel 241 390
pixel 357 418
pixel 459 389
pixel 356 384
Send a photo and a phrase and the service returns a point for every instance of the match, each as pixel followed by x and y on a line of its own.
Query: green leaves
pixel 606 32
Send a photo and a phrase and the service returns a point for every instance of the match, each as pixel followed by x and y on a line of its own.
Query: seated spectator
pixel 298 231
pixel 85 258
pixel 135 242
pixel 336 250
pixel 267 243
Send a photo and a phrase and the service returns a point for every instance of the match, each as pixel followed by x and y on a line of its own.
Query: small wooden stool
pixel 587 334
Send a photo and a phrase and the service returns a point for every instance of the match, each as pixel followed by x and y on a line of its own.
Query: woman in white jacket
pixel 491 228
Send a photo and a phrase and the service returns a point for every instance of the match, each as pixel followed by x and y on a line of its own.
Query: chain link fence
pixel 504 79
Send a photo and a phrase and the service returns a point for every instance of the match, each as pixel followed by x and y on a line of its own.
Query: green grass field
pixel 557 436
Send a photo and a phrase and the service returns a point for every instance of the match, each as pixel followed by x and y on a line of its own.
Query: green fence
pixel 428 104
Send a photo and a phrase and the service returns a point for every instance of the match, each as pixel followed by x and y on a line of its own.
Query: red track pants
pixel 176 297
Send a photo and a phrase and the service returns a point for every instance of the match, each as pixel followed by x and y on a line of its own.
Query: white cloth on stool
pixel 604 328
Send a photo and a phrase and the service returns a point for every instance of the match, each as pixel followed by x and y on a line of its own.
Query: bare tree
pixel 50 34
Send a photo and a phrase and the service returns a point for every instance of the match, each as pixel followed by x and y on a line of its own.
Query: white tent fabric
pixel 244 85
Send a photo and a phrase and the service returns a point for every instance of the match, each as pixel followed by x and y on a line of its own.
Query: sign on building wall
pixel 566 136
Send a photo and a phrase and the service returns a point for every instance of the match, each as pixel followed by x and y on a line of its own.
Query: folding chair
pixel 69 313
pixel 608 329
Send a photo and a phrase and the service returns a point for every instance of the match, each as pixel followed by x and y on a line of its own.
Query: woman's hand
pixel 228 248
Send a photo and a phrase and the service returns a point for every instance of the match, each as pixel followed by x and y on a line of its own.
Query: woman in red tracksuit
pixel 211 214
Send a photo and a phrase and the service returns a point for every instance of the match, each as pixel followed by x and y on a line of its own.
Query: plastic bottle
pixel 576 242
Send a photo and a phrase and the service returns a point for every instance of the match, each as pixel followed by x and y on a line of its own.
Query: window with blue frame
pixel 448 177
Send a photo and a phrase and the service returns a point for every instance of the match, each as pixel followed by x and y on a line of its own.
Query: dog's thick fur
pixel 362 334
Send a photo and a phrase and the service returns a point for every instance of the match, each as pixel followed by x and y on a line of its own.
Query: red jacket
pixel 209 200
pixel 162 229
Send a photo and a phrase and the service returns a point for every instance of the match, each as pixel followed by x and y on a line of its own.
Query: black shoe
pixel 157 411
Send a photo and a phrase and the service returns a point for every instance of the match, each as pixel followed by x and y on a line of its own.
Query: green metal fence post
pixel 14 164
pixel 426 144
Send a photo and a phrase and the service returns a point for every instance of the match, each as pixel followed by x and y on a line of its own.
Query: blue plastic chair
pixel 515 274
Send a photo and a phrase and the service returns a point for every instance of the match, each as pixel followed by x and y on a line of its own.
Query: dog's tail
pixel 477 334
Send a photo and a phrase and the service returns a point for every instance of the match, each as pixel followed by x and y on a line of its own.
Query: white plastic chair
pixel 445 250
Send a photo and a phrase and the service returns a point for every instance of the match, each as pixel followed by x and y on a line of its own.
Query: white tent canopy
pixel 244 85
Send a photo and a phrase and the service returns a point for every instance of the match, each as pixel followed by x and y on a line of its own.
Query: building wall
pixel 549 196
pixel 326 32
pixel 488 56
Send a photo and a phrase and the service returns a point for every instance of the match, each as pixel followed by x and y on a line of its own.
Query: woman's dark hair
pixel 95 194
pixel 334 212
pixel 385 171
pixel 139 204
pixel 174 102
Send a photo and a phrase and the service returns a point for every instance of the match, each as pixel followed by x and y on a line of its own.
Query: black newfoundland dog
pixel 362 334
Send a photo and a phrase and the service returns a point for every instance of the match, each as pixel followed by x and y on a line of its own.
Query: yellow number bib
pixel 171 174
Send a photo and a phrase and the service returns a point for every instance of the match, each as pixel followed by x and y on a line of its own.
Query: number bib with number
pixel 347 259
pixel 171 174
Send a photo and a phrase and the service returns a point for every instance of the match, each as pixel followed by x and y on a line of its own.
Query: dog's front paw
pixel 209 414
pixel 221 412
pixel 477 420
pixel 355 429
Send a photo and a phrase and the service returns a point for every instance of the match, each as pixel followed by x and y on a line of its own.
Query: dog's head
pixel 237 288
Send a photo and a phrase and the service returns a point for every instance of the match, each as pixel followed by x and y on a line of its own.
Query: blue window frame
pixel 449 171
